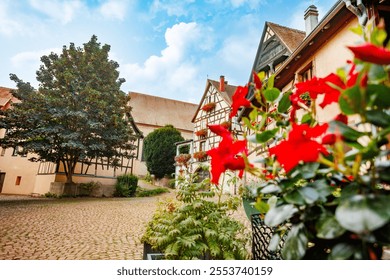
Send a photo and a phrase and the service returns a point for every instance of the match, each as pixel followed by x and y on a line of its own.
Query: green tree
pixel 77 113
pixel 160 150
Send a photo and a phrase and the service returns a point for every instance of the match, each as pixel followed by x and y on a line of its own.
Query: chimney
pixel 222 83
pixel 311 19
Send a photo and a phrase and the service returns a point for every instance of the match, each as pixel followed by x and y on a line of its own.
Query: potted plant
pixel 200 156
pixel 201 132
pixel 208 107
pixel 195 226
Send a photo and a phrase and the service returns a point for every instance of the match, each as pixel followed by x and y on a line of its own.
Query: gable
pixel 212 94
pixel 276 44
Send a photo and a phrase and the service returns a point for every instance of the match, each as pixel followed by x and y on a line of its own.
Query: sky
pixel 167 48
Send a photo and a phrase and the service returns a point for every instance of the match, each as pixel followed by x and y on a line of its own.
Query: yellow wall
pixel 18 166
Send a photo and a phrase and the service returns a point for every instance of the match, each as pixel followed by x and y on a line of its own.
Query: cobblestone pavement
pixel 75 229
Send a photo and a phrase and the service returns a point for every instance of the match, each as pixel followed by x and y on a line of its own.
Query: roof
pixel 6 98
pixel 226 95
pixel 289 36
pixel 158 111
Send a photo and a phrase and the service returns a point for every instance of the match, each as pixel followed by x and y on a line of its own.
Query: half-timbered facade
pixel 214 108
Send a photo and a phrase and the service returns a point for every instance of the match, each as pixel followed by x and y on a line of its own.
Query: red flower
pixel 300 146
pixel 371 53
pixel 256 79
pixel 342 118
pixel 239 100
pixel 226 155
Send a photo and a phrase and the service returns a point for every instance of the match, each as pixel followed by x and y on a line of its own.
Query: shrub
pixel 160 150
pixel 126 185
pixel 87 188
pixel 145 193
pixel 195 226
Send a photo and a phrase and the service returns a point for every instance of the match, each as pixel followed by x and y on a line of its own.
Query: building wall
pixel 20 173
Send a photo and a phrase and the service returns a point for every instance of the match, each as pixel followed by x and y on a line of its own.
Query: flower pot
pixel 249 208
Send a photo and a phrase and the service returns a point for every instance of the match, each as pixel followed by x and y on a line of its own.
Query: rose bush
pixel 323 184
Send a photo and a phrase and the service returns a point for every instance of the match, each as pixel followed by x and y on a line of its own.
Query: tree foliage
pixel 77 113
pixel 160 150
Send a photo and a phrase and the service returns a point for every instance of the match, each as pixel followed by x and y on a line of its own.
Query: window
pixel 202 146
pixel 18 180
pixel 306 73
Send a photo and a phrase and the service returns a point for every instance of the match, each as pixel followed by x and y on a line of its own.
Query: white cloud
pixel 8 26
pixel 173 70
pixel 60 10
pixel 27 59
pixel 114 9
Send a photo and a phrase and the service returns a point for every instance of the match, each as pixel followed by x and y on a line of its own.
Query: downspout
pixel 359 10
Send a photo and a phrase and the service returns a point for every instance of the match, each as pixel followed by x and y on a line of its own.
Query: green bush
pixel 144 192
pixel 160 150
pixel 195 226
pixel 126 185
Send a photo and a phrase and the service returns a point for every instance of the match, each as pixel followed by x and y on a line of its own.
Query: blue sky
pixel 166 48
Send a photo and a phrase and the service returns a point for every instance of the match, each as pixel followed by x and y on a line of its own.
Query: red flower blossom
pixel 300 146
pixel 371 53
pixel 239 100
pixel 256 79
pixel 342 118
pixel 226 155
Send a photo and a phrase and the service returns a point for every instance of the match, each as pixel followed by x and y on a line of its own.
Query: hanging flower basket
pixel 201 155
pixel 182 159
pixel 208 107
pixel 226 124
pixel 201 132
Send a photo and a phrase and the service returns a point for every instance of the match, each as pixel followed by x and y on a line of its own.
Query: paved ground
pixel 76 229
pixel 44 229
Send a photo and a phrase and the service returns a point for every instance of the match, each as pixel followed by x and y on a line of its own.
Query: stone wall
pixel 60 188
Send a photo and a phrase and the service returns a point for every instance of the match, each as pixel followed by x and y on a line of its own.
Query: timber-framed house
pixel 214 108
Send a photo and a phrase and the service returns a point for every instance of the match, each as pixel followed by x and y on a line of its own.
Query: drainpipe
pixel 358 10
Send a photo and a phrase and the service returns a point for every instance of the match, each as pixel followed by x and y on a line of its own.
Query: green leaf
pixel 322 188
pixel 271 94
pixel 310 195
pixel 357 30
pixel 296 243
pixel 270 82
pixel 378 95
pixel 378 118
pixel 346 131
pixel 306 118
pixel 342 251
pixel 272 188
pixel 247 122
pixel 294 197
pixel 285 102
pixel 350 101
pixel 377 74
pixel 266 135
pixel 361 213
pixel 253 115
pixel 277 215
pixel 261 206
pixel 308 170
pixel 328 228
pixel 274 242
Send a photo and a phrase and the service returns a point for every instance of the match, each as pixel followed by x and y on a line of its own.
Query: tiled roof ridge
pixel 286 27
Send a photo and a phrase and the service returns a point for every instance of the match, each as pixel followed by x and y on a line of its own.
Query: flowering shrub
pixel 201 155
pixel 208 107
pixel 182 159
pixel 324 184
pixel 201 132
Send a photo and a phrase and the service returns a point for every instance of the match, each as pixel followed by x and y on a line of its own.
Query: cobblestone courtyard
pixel 81 229
pixel 76 228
